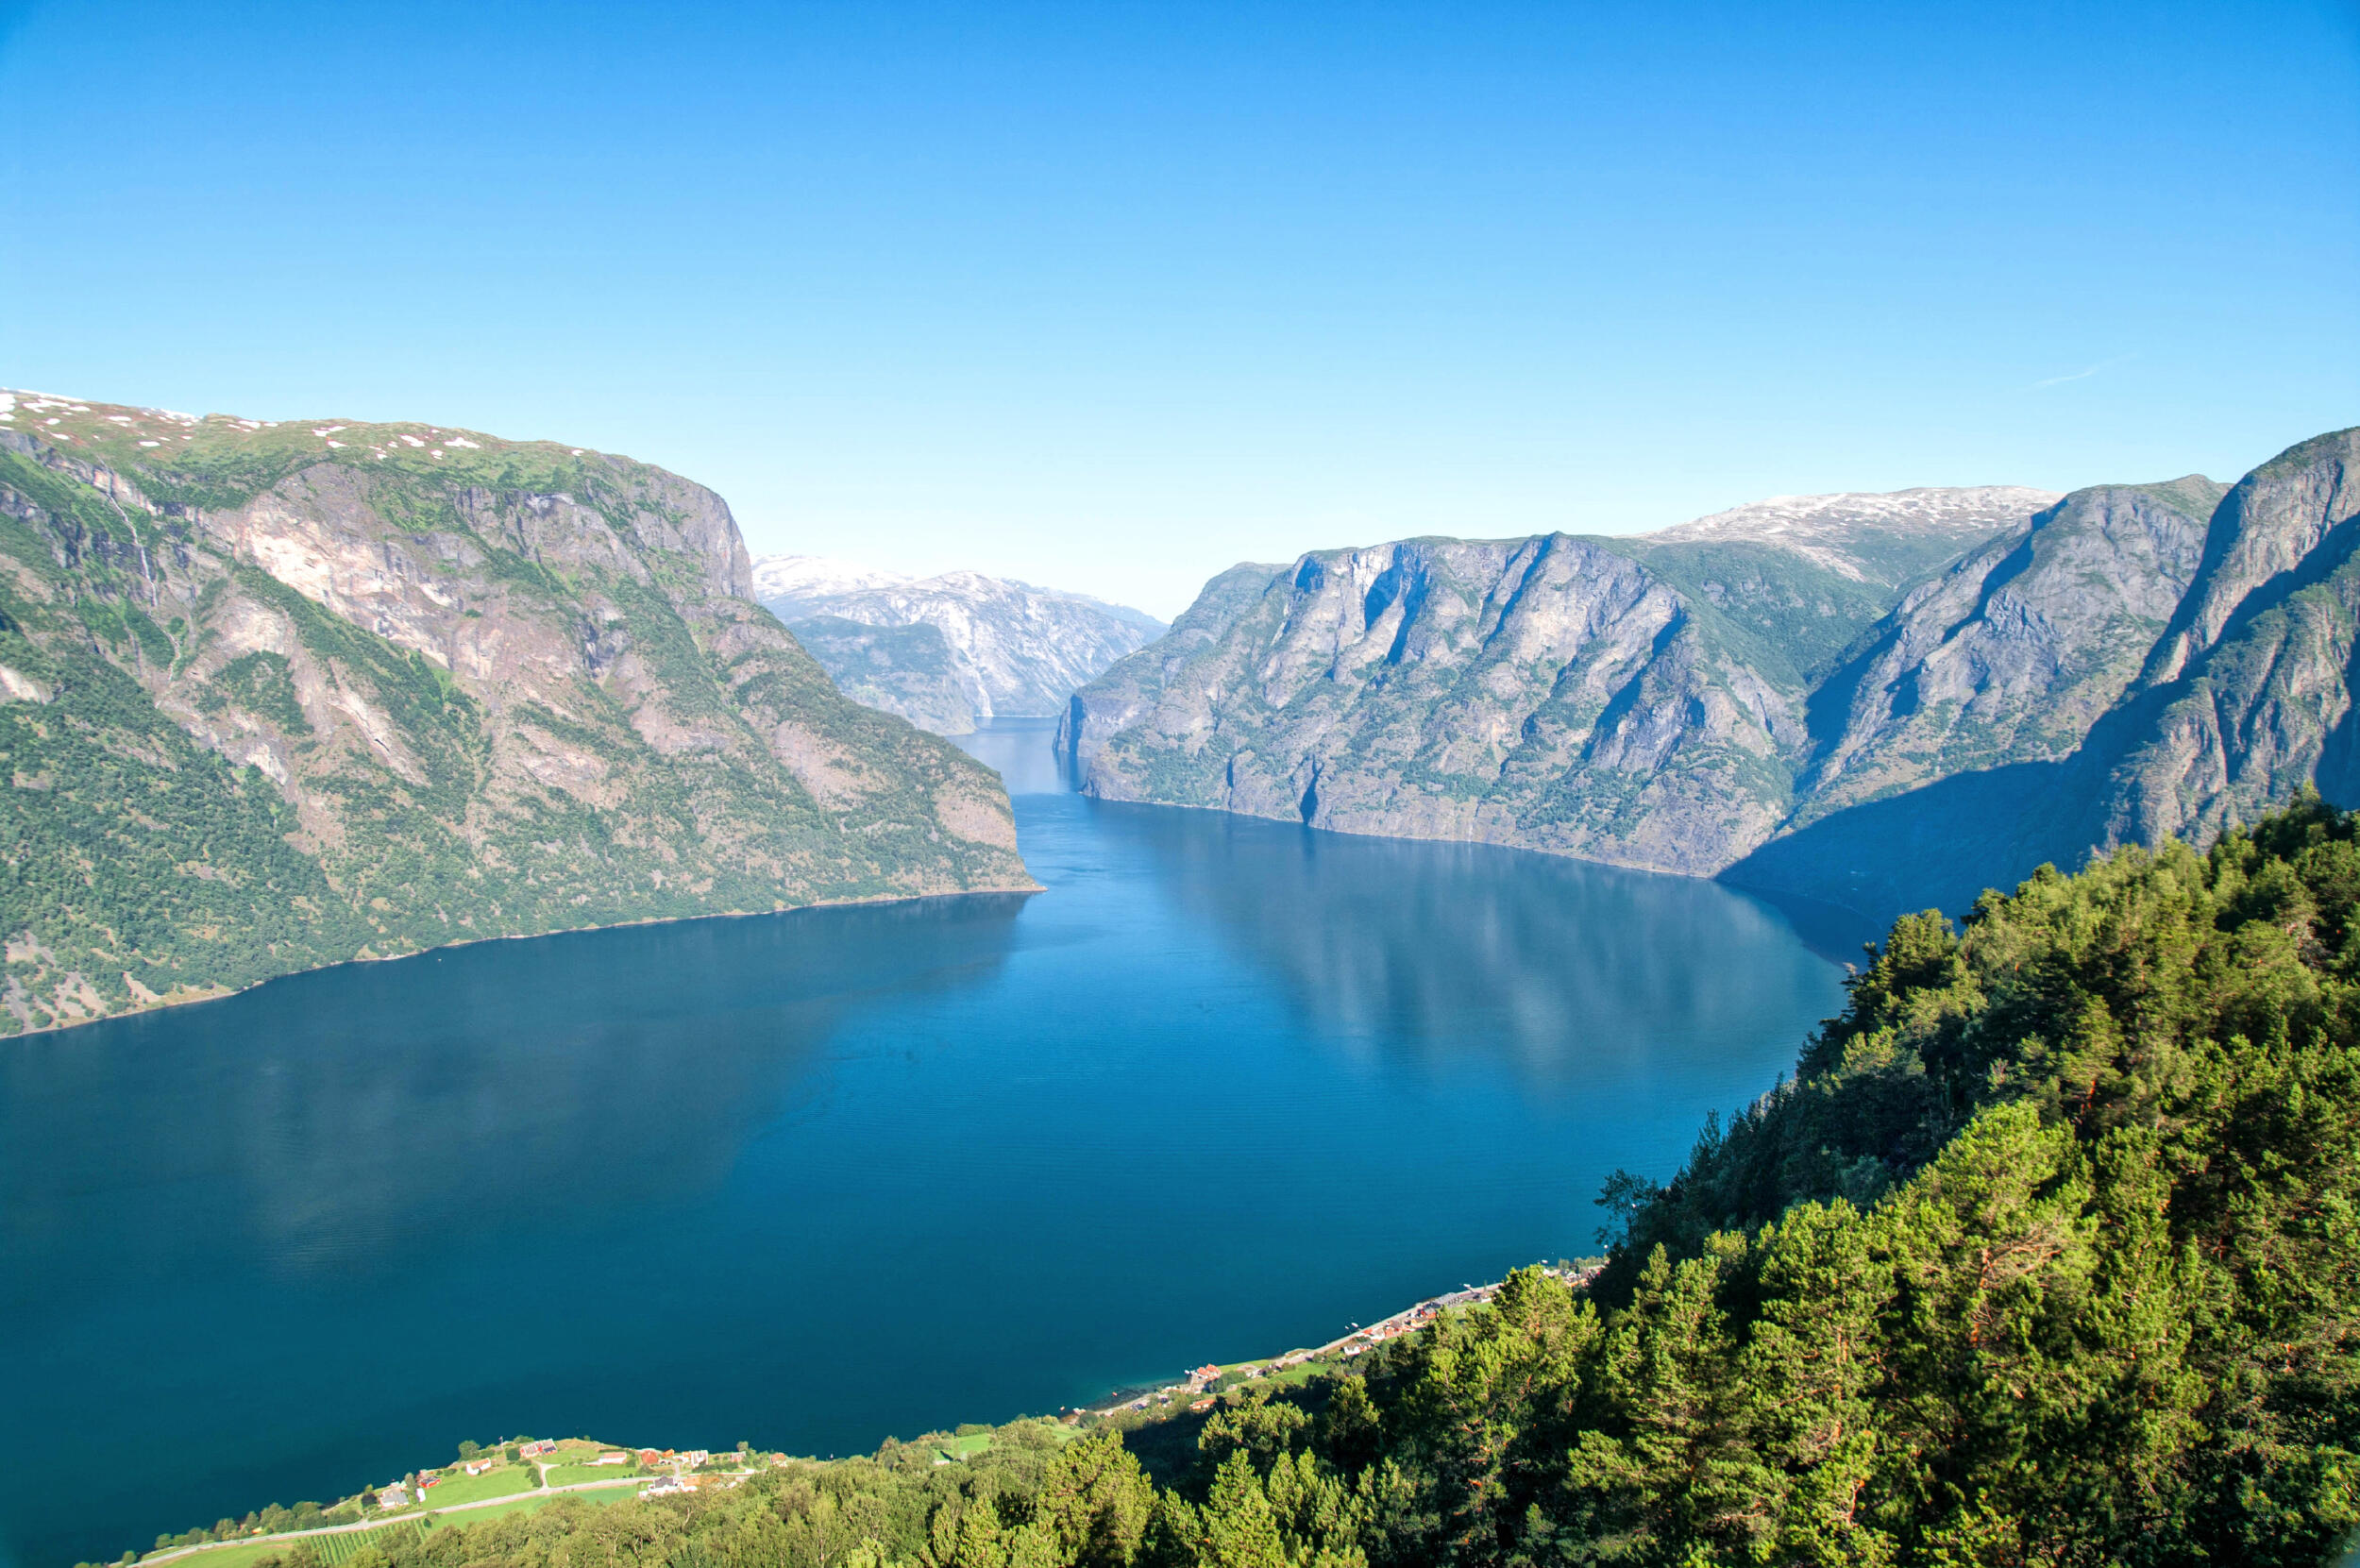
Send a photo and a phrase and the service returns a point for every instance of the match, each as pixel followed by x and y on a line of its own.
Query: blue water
pixel 812 1179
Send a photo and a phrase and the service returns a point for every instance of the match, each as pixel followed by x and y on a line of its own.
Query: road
pixel 544 1490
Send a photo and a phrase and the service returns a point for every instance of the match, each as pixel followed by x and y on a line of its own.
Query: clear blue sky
pixel 1109 296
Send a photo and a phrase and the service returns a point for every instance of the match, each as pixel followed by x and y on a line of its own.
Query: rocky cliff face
pixel 2014 651
pixel 278 695
pixel 1884 702
pixel 909 671
pixel 2248 693
pixel 1641 701
pixel 998 649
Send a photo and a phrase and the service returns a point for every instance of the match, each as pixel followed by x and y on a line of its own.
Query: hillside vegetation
pixel 277 696
pixel 2048 1253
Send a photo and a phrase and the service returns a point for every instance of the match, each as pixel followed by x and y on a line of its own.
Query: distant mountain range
pixel 948 652
pixel 274 696
pixel 1876 700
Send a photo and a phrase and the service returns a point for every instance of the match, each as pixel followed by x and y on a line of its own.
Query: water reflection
pixel 1021 749
pixel 337 1123
pixel 1562 967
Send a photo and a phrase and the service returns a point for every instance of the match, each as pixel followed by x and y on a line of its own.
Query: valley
pixel 625 1181
pixel 952 651
pixel 273 698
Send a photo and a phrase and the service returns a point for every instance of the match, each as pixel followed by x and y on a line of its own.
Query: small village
pixel 555 1465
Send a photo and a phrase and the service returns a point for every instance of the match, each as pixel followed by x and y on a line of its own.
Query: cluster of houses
pixel 650 1457
pixel 414 1489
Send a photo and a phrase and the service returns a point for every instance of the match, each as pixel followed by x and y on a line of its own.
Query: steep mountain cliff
pixel 1882 704
pixel 1638 701
pixel 998 648
pixel 909 671
pixel 2012 653
pixel 2217 680
pixel 2252 683
pixel 275 696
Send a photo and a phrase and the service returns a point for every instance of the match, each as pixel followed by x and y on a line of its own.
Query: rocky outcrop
pixel 336 690
pixel 908 671
pixel 1000 647
pixel 1128 689
pixel 2251 688
pixel 1879 703
pixel 2014 651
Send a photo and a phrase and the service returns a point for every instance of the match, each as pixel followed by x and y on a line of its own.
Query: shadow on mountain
pixel 1935 846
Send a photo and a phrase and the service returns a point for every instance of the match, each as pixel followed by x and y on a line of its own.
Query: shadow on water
pixel 352 1109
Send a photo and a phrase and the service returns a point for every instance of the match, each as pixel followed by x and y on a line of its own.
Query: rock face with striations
pixel 275 696
pixel 1641 701
pixel 2012 653
pixel 948 652
pixel 1882 704
pixel 2248 696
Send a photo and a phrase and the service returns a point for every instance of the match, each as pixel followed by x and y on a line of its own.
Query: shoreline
pixel 1128 1401
pixel 1356 1343
pixel 170 1003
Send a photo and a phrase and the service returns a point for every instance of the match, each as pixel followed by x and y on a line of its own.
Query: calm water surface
pixel 811 1180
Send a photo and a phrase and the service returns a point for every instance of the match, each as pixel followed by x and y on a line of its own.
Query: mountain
pixel 1641 701
pixel 998 648
pixel 2219 683
pixel 1873 700
pixel 282 695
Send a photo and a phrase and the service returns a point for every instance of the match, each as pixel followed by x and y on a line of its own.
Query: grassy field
pixel 526 1504
pixel 237 1554
pixel 570 1475
pixel 335 1548
pixel 454 1489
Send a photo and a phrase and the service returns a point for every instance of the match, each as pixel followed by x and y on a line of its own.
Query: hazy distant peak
pixel 1004 648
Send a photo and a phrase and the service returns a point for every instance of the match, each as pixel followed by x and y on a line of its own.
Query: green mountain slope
pixel 278 695
pixel 897 669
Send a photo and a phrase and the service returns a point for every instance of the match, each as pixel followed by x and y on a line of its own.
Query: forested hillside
pixel 278 696
pixel 2048 1253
